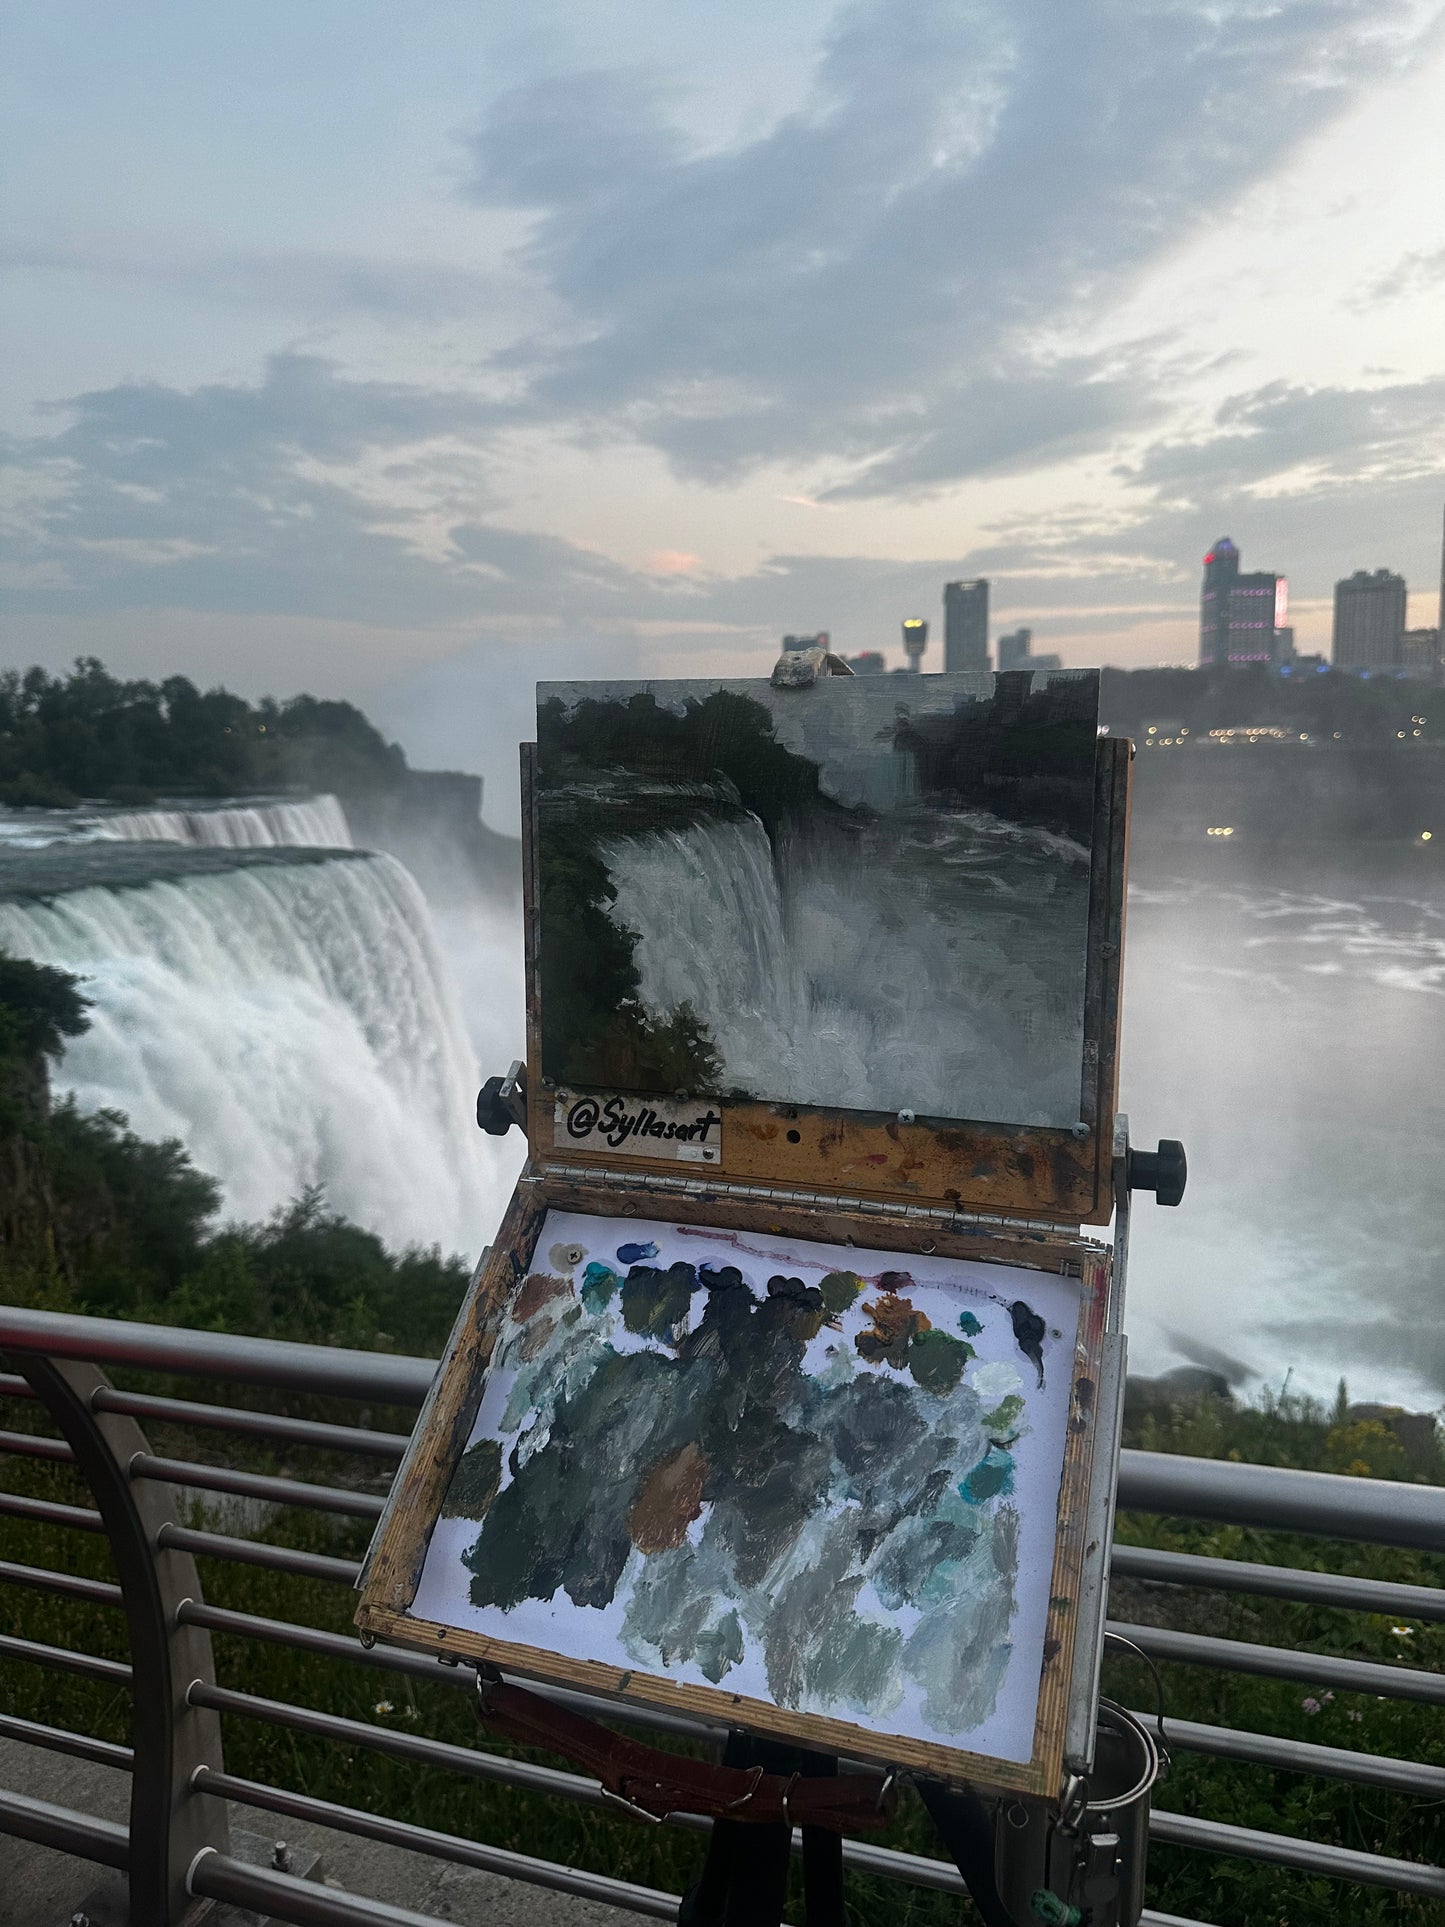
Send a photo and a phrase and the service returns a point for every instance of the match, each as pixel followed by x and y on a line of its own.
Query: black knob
pixel 492 1114
pixel 1164 1172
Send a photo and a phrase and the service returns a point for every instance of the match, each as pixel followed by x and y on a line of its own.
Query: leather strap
pixel 657 1783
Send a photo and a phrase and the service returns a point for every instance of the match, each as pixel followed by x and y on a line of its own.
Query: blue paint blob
pixel 968 1324
pixel 993 1475
pixel 634 1254
pixel 598 1284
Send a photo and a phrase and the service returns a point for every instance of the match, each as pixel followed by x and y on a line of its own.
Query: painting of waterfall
pixel 818 1477
pixel 872 894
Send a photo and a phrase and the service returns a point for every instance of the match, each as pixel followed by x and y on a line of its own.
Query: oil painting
pixel 816 1476
pixel 872 894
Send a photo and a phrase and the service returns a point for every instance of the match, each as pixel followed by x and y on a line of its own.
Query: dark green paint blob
pixel 839 1289
pixel 968 1324
pixel 655 1303
pixel 475 1482
pixel 937 1361
pixel 994 1474
pixel 598 1284
pixel 720 1647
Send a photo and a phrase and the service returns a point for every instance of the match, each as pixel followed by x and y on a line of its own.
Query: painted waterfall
pixel 871 894
pixel 810 1475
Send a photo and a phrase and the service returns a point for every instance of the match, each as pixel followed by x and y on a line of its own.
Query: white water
pixel 291 1026
pixel 937 968
pixel 1294 1039
pixel 317 823
pixel 311 822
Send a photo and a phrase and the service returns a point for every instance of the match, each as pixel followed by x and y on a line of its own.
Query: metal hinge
pixel 700 1188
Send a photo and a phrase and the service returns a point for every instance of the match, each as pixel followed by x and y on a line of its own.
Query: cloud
pixel 1319 436
pixel 306 493
pixel 1412 274
pixel 293 281
pixel 869 281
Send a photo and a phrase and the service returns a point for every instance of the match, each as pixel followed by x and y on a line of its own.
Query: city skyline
pixel 388 364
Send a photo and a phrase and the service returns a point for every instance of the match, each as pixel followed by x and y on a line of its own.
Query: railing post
pixel 169 1823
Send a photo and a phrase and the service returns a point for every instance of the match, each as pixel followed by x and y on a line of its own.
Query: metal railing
pixel 176 1849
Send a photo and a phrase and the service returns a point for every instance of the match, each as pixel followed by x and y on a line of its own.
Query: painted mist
pixel 870 894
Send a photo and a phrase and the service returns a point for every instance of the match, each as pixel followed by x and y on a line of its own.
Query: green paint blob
pixel 968 1324
pixel 839 1289
pixel 598 1284
pixel 475 1482
pixel 1004 1414
pixel 937 1361
pixel 655 1303
pixel 994 1474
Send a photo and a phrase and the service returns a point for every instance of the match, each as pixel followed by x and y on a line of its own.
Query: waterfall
pixel 876 966
pixel 315 822
pixel 291 1025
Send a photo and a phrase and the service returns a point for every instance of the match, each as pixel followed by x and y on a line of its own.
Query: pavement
pixel 42 1888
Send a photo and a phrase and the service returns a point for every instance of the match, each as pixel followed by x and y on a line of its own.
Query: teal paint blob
pixel 968 1324
pixel 994 1474
pixel 598 1284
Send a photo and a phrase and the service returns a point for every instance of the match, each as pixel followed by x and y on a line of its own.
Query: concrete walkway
pixel 42 1888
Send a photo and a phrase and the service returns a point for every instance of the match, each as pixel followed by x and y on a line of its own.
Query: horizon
pixel 619 347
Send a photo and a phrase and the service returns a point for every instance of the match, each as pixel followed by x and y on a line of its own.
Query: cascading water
pixel 870 966
pixel 315 822
pixel 292 1025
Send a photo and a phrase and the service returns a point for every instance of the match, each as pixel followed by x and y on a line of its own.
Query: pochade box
pixel 788 1394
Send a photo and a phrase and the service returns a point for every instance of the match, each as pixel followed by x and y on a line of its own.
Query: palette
pixel 758 1471
pixel 787 1395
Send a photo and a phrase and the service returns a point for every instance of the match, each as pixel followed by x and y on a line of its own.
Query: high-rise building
pixel 869 663
pixel 821 641
pixel 965 624
pixel 1013 649
pixel 1420 654
pixel 1016 651
pixel 1241 615
pixel 1369 620
pixel 915 641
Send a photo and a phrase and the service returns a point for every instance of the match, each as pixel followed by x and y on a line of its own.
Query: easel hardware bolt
pixel 908 1117
pixel 280 1856
pixel 1080 1130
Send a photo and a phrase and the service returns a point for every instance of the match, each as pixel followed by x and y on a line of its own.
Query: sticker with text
pixel 635 1127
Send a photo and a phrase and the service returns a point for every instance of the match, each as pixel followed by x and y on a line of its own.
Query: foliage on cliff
pixel 90 735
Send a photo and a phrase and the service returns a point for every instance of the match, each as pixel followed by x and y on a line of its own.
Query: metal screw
pixel 907 1117
pixel 280 1856
pixel 1080 1130
pixel 78 1919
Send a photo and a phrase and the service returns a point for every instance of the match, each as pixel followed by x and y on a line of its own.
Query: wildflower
pixel 1356 1717
pixel 1326 1699
pixel 383 1706
pixel 1403 1632
pixel 1311 1704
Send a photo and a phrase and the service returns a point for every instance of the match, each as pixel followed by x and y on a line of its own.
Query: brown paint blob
pixel 669 1501
pixel 895 1323
pixel 535 1293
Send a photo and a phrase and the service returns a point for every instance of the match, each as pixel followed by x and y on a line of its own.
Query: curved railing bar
pixel 168 1825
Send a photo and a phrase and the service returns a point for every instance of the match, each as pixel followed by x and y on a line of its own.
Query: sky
pixel 412 354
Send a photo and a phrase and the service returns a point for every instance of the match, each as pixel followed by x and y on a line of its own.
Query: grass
pixel 1233 1892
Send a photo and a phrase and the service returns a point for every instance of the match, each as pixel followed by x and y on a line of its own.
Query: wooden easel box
pixel 394 1568
pixel 1001 1195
